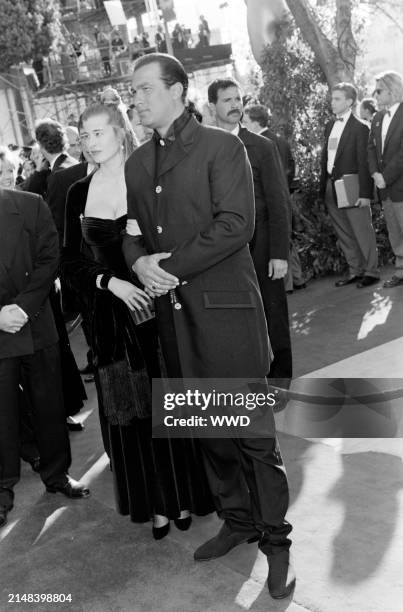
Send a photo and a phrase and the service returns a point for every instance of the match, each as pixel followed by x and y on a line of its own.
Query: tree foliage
pixel 296 91
pixel 28 27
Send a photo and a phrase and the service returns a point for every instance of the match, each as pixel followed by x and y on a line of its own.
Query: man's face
pixel 229 106
pixel 340 103
pixel 37 156
pixel 154 101
pixel 7 171
pixel 382 95
pixel 252 126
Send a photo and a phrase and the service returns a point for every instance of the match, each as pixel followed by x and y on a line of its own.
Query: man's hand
pixel 12 319
pixel 379 180
pixel 277 268
pixel 362 202
pixel 156 280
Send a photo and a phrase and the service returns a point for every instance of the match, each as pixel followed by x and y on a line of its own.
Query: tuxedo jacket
pixel 199 206
pixel 389 162
pixel 351 156
pixel 272 200
pixel 284 150
pixel 29 257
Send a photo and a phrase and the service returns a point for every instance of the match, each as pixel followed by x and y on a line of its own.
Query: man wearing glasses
pixel 385 158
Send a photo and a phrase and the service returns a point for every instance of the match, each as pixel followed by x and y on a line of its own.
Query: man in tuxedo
pixel 256 119
pixel 344 152
pixel 190 219
pixel 29 256
pixel 385 158
pixel 270 244
pixel 53 142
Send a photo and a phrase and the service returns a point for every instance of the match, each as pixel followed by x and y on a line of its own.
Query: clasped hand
pixel 155 280
pixel 12 319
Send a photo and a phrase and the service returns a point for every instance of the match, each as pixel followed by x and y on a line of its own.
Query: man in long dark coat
pixel 191 217
pixel 29 255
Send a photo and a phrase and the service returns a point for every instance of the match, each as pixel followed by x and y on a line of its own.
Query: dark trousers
pixel 41 373
pixel 250 489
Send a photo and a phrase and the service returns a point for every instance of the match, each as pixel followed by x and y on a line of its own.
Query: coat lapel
pixel 344 138
pixel 148 157
pixel 397 119
pixel 180 148
pixel 11 226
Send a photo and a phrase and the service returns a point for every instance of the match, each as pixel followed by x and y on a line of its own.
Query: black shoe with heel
pixel 183 524
pixel 160 532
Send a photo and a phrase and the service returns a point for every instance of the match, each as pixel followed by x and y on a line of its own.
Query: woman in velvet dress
pixel 159 479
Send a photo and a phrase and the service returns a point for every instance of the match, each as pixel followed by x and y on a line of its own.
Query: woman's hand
pixel 131 295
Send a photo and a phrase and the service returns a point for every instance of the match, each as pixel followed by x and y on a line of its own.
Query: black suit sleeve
pixel 372 154
pixel 77 270
pixel 45 265
pixel 276 195
pixel 323 163
pixel 365 180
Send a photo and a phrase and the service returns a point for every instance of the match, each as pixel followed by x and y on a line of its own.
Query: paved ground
pixel 346 492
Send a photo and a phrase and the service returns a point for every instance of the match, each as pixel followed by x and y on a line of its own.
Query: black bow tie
pixel 339 118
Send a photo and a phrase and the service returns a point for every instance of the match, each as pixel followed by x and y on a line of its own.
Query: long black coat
pixel 351 156
pixel 29 257
pixel 390 161
pixel 201 209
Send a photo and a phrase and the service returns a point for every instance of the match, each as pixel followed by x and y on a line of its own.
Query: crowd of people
pixel 172 239
pixel 81 57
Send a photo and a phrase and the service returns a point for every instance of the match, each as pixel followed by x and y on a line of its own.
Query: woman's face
pixel 7 178
pixel 100 138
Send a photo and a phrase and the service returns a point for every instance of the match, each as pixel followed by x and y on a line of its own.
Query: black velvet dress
pixel 157 476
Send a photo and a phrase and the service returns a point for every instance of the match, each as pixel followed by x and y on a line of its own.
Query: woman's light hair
pixel 117 119
pixel 393 81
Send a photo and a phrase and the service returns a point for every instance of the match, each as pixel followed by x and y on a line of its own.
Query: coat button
pixel 178 306
pixel 26 273
pixel 158 189
pixel 159 229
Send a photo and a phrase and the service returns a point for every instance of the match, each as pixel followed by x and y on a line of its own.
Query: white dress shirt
pixel 334 139
pixel 387 118
pixel 235 130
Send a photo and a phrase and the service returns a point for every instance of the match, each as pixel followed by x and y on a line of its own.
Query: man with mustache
pixel 270 244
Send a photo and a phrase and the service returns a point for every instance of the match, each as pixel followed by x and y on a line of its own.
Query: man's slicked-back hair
pixel 393 81
pixel 171 68
pixel 348 88
pixel 216 85
pixel 51 135
pixel 259 113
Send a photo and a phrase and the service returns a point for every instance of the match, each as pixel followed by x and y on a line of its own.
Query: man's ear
pixel 177 90
pixel 212 108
